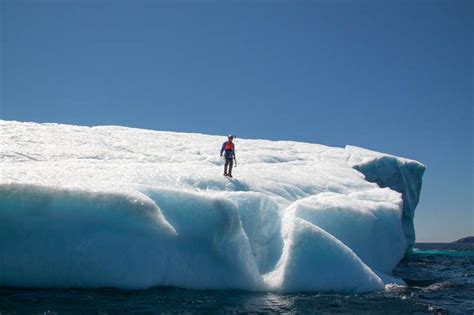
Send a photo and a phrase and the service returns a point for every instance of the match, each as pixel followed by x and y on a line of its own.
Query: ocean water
pixel 439 277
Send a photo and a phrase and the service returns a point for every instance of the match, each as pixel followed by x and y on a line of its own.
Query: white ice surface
pixel 130 208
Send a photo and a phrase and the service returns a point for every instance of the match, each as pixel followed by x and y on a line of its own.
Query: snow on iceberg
pixel 128 208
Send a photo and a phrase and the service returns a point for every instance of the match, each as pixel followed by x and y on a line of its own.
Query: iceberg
pixel 110 206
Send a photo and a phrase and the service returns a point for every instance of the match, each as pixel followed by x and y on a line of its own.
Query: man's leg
pixel 231 163
pixel 225 165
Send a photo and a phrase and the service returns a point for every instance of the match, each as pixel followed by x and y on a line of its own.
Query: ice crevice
pixel 152 208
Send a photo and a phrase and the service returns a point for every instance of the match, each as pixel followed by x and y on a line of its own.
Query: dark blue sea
pixel 440 279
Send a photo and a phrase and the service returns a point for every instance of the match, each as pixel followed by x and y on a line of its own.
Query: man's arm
pixel 222 148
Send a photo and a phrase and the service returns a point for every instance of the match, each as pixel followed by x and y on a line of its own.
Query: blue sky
pixel 393 76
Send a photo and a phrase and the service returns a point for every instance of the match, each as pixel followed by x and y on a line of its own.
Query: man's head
pixel 230 138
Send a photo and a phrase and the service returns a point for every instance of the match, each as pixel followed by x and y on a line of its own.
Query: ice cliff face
pixel 129 208
pixel 401 175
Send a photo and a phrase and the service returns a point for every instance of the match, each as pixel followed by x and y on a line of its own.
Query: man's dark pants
pixel 229 162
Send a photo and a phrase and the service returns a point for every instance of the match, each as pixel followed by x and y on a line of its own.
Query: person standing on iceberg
pixel 228 149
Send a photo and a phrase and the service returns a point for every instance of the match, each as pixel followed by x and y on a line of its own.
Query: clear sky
pixel 393 76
